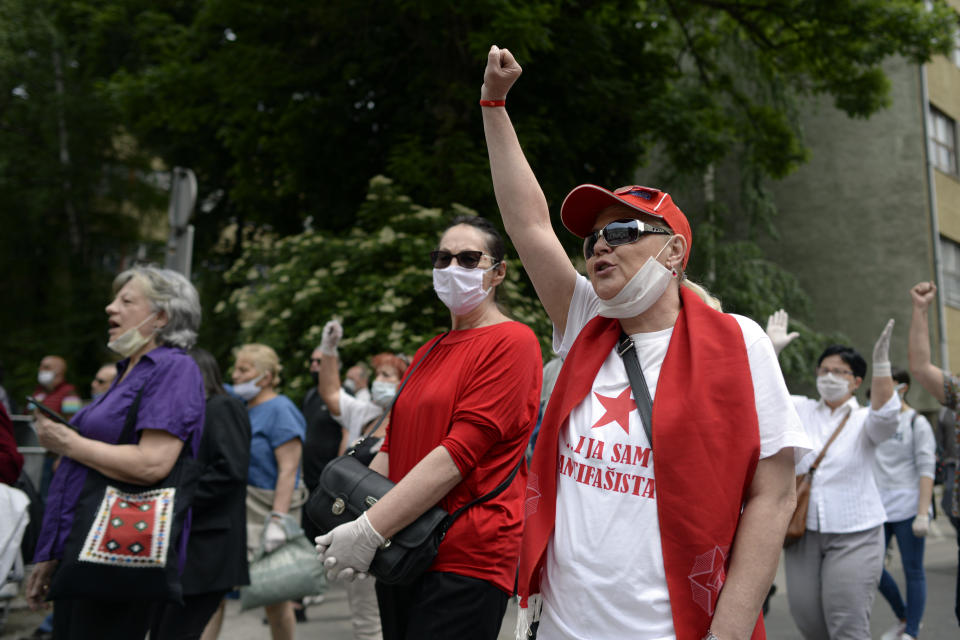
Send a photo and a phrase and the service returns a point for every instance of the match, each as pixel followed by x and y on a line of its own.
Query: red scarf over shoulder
pixel 706 444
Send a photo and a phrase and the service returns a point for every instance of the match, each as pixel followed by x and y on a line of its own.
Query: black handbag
pixel 348 487
pixel 125 540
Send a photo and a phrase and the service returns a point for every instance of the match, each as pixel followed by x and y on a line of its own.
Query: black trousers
pixel 441 606
pixel 171 621
pixel 79 619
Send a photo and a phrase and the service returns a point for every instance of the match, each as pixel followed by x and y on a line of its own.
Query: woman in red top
pixel 457 430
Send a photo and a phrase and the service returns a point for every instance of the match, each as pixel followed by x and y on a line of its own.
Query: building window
pixel 943 141
pixel 950 265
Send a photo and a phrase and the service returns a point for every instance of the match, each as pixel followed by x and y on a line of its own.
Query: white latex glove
pixel 274 535
pixel 777 330
pixel 330 338
pixel 348 550
pixel 881 352
pixel 921 525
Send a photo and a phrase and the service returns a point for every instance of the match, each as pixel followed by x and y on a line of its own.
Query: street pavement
pixel 330 620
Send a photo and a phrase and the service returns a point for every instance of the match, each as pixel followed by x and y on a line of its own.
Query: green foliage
pixel 285 110
pixel 69 179
pixel 376 278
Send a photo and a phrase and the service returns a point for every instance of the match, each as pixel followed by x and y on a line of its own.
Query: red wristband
pixel 493 103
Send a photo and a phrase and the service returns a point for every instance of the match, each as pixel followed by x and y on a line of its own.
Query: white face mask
pixel 460 289
pixel 382 392
pixel 832 387
pixel 641 291
pixel 131 340
pixel 45 378
pixel 248 390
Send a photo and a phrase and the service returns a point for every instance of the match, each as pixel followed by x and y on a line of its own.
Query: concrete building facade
pixel 876 210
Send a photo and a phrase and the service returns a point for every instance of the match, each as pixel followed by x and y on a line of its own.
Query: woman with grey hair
pixel 153 317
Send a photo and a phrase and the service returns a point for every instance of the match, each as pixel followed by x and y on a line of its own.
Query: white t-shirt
pixel 604 569
pixel 901 461
pixel 355 414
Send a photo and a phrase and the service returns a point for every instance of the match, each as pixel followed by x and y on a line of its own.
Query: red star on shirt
pixel 617 409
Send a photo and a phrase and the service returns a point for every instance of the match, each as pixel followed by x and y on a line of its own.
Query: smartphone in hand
pixel 50 413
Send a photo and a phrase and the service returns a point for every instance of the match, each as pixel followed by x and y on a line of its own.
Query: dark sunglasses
pixel 620 232
pixel 466 259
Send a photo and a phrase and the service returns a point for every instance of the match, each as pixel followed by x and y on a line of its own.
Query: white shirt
pixel 900 463
pixel 843 495
pixel 355 414
pixel 605 576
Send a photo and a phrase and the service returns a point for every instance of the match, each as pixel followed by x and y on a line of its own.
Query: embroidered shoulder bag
pixel 125 539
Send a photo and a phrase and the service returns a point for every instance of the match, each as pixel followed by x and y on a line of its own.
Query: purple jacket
pixel 172 401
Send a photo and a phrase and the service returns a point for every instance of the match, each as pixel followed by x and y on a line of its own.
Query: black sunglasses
pixel 620 232
pixel 466 259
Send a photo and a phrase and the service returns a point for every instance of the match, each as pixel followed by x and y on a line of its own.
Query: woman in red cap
pixel 612 548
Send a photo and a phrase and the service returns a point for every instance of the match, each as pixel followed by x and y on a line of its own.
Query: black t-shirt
pixel 322 440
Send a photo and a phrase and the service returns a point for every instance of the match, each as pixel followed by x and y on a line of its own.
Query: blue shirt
pixel 173 401
pixel 274 422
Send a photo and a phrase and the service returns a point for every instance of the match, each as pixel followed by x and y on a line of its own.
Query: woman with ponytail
pixel 664 521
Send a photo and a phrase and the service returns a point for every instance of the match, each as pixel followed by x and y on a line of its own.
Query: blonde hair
pixel 702 293
pixel 264 359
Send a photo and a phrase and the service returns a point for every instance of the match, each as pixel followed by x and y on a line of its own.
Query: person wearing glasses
pixel 833 571
pixel 629 535
pixel 458 428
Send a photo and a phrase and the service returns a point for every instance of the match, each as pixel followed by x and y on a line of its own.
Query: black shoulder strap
pixel 487 496
pixel 364 435
pixel 126 436
pixel 641 394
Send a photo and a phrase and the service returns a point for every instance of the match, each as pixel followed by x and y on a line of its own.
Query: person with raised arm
pixel 662 481
pixel 942 385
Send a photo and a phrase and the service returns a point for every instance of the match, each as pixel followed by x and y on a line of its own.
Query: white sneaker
pixel 895 632
pixel 906 636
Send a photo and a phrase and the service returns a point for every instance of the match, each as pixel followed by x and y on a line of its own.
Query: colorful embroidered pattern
pixel 131 529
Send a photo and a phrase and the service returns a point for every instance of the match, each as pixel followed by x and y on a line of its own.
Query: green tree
pixel 285 110
pixel 69 179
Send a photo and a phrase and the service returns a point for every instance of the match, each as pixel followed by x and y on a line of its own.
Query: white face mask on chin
pixel 832 388
pixel 248 390
pixel 460 289
pixel 131 340
pixel 641 291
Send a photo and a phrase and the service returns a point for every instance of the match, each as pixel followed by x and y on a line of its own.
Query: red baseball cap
pixel 582 205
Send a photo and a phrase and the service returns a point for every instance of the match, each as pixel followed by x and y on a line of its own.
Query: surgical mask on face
pixel 96 395
pixel 315 376
pixel 901 389
pixel 45 378
pixel 460 289
pixel 248 390
pixel 131 340
pixel 350 386
pixel 382 392
pixel 832 387
pixel 641 291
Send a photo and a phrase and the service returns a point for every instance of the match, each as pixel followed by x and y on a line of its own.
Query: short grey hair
pixel 170 292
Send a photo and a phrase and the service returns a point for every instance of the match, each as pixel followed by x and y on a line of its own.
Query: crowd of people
pixel 655 503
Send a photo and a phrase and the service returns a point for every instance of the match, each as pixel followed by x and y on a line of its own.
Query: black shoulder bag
pixel 348 487
pixel 125 540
